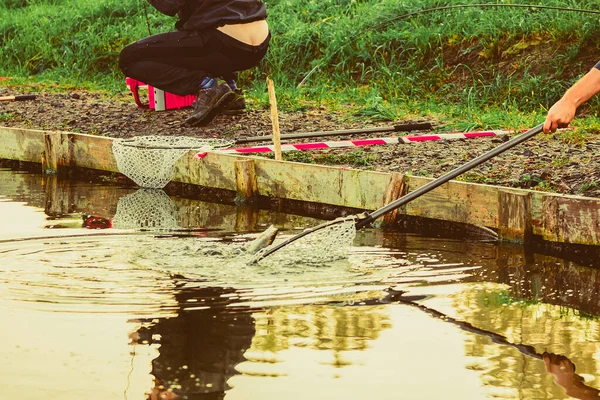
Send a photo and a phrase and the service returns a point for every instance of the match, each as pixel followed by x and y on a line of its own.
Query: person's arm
pixel 563 111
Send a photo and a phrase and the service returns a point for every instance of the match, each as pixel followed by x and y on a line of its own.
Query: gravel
pixel 546 162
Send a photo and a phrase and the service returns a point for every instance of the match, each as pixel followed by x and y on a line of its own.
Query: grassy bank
pixel 469 66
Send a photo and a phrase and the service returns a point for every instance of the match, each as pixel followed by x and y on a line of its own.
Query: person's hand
pixel 559 115
pixel 563 370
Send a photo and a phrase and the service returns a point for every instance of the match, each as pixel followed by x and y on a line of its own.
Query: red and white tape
pixel 360 142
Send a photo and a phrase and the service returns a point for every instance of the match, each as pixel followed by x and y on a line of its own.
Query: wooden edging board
pixel 515 213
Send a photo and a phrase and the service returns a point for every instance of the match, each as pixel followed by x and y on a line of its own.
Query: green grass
pixel 381 60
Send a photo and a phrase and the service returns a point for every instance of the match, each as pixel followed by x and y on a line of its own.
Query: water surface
pixel 116 293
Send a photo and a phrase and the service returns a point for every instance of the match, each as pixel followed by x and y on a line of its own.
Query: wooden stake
pixel 395 189
pixel 246 183
pixel 514 223
pixel 274 120
pixel 50 157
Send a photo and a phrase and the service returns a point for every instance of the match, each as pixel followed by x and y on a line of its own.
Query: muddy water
pixel 112 293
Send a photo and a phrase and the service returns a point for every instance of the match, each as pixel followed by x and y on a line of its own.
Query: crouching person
pixel 214 40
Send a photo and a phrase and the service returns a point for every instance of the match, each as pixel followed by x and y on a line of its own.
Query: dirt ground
pixel 545 162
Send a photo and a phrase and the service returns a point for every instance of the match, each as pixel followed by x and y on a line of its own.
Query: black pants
pixel 177 62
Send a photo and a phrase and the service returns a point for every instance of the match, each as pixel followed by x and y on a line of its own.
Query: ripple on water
pixel 141 274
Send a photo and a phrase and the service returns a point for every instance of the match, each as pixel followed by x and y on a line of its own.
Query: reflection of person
pixel 563 111
pixel 199 348
pixel 214 40
pixel 564 374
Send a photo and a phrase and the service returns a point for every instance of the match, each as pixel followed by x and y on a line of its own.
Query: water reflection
pixel 404 316
pixel 561 367
pixel 200 347
pixel 146 209
pixel 564 374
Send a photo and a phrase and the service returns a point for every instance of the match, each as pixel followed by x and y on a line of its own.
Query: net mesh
pixel 330 243
pixel 144 209
pixel 149 161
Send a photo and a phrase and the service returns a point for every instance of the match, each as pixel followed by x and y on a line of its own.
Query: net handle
pixel 365 219
pixel 130 143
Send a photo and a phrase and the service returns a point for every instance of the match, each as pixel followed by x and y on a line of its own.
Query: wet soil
pixel 560 163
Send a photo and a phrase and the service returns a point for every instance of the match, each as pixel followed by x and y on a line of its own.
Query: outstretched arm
pixel 563 111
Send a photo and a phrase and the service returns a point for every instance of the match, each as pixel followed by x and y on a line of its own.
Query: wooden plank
pixel 566 219
pixel 556 218
pixel 468 203
pixel 69 149
pixel 57 152
pixel 90 151
pixel 246 219
pixel 289 180
pixel 22 144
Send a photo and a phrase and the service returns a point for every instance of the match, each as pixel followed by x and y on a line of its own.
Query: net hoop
pixel 149 161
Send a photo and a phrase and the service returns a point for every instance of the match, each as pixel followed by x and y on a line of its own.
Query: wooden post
pixel 513 216
pixel 394 191
pixel 246 184
pixel 274 120
pixel 51 149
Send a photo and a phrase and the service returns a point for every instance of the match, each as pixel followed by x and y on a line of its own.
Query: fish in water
pixel 263 240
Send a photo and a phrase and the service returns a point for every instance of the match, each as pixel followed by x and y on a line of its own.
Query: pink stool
pixel 158 100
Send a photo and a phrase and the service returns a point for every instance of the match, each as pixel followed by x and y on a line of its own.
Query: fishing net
pixel 149 161
pixel 146 209
pixel 330 243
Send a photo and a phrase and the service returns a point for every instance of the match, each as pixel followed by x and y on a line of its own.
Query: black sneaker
pixel 210 101
pixel 237 105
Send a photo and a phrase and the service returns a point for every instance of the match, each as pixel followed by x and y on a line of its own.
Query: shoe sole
pixel 203 119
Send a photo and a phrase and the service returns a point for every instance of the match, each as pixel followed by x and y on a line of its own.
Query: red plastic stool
pixel 158 100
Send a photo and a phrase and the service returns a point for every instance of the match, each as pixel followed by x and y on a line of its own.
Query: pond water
pixel 117 293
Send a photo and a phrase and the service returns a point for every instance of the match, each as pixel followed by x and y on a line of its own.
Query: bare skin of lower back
pixel 252 33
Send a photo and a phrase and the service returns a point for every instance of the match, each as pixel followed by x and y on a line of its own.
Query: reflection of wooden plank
pixel 514 212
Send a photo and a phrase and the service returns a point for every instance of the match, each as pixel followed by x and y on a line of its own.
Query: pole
pixel 418 126
pixel 274 120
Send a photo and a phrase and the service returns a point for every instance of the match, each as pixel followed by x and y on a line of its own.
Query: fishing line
pixel 443 8
pixel 145 5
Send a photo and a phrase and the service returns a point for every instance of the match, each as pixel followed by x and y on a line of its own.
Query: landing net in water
pixel 328 244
